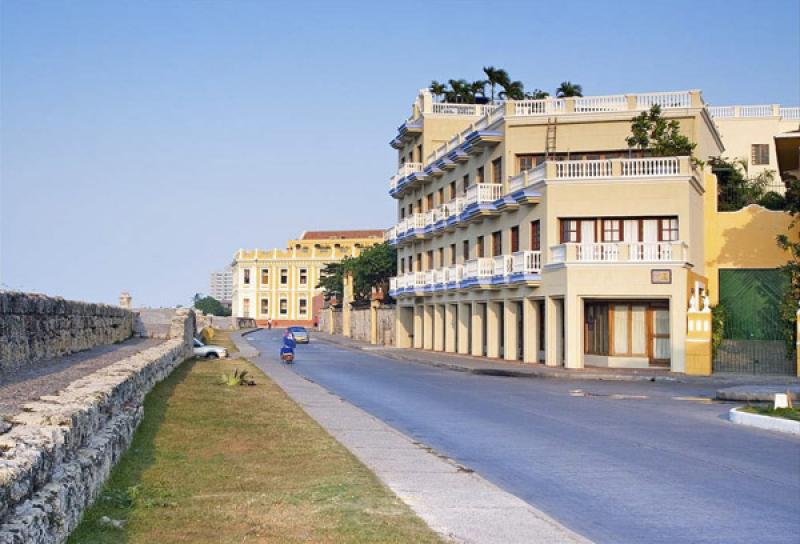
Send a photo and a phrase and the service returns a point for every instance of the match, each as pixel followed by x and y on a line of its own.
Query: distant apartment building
pixel 221 286
pixel 528 231
pixel 281 284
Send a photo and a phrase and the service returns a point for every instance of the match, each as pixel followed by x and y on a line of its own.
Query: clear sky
pixel 143 143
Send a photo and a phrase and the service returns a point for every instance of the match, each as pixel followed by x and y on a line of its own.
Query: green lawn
pixel 766 410
pixel 212 463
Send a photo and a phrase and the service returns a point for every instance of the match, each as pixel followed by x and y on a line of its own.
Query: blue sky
pixel 144 142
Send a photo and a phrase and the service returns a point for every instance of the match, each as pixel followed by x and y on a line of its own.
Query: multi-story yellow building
pixel 527 230
pixel 281 284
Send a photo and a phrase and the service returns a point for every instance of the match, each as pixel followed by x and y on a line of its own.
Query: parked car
pixel 300 335
pixel 209 351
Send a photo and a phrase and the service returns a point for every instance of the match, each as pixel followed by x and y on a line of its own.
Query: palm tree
pixel 513 90
pixel 495 76
pixel 459 91
pixel 437 89
pixel 567 88
pixel 478 88
pixel 537 94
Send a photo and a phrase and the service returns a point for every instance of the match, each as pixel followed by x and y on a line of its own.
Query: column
pixel 418 325
pixel 438 327
pixel 552 331
pixel 427 327
pixel 477 330
pixel 573 332
pixel 530 320
pixel 404 325
pixel 493 333
pixel 464 318
pixel 510 330
pixel 450 327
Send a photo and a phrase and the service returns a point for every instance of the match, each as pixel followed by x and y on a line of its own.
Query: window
pixel 402 266
pixel 303 279
pixel 247 276
pixel 479 175
pixel 419 153
pixel 497 243
pixel 612 230
pixel 452 254
pixel 419 205
pixel 284 307
pixel 402 213
pixel 246 307
pixel 465 183
pixel 419 262
pixel 527 162
pixel 452 190
pixel 536 242
pixel 479 247
pixel 264 306
pixel 411 209
pixel 629 329
pixel 410 263
pixel 265 276
pixel 596 328
pixel 497 170
pixel 514 239
pixel 429 201
pixel 440 196
pixel 465 249
pixel 669 229
pixel 284 276
pixel 759 154
pixel 569 231
pixel 302 308
pixel 429 262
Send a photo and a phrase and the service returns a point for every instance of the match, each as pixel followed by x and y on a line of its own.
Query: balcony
pixel 406 175
pixel 620 252
pixel 755 112
pixel 522 267
pixel 485 199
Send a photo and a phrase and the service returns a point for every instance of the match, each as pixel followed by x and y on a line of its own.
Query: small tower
pixel 125 300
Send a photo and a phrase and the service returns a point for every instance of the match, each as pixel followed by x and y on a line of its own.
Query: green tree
pixel 478 87
pixel 537 94
pixel 495 77
pixel 438 89
pixel 331 280
pixel 735 189
pixel 567 89
pixel 658 137
pixel 791 243
pixel 372 268
pixel 459 92
pixel 513 90
pixel 210 306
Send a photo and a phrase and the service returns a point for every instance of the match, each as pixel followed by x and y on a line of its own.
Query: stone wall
pixel 60 450
pixel 37 327
pixel 360 324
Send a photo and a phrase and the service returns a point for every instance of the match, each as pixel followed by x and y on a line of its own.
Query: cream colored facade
pixel 528 231
pixel 281 284
pixel 746 127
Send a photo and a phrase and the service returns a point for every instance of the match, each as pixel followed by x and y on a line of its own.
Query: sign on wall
pixel 660 276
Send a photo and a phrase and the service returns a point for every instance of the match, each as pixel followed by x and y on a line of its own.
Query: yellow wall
pixel 740 239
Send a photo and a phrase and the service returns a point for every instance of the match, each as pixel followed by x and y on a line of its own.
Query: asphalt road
pixel 618 462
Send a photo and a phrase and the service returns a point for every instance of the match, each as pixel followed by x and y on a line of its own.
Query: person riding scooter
pixel 288 347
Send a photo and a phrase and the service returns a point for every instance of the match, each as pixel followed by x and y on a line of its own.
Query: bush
pixel 773 201
pixel 719 316
pixel 239 377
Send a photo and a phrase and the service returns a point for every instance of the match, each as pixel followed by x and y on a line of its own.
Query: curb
pixel 779 424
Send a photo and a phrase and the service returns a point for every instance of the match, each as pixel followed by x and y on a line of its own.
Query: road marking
pixel 701 400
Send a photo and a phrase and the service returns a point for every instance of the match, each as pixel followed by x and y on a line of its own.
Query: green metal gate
pixel 753 339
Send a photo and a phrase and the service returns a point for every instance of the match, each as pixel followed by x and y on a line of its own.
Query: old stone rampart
pixel 60 450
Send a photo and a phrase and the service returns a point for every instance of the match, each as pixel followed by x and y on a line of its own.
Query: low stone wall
pixel 60 450
pixel 37 327
pixel 360 324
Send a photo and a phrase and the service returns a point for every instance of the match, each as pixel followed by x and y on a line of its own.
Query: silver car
pixel 209 351
pixel 300 335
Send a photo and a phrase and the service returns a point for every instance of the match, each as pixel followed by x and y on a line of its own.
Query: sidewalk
pixel 500 367
pixel 454 501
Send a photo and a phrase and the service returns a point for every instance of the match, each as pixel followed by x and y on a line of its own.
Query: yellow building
pixel 282 284
pixel 528 231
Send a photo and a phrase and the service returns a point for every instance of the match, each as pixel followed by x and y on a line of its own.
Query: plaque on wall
pixel 660 276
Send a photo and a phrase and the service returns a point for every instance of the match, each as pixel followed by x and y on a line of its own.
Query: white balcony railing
pixel 526 262
pixel 406 169
pixel 484 192
pixel 754 111
pixel 501 265
pixel 590 104
pixel 651 167
pixel 540 107
pixel 613 252
pixel 526 178
pixel 583 169
pixel 448 108
pixel 482 267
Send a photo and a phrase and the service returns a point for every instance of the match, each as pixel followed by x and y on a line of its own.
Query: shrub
pixel 239 377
